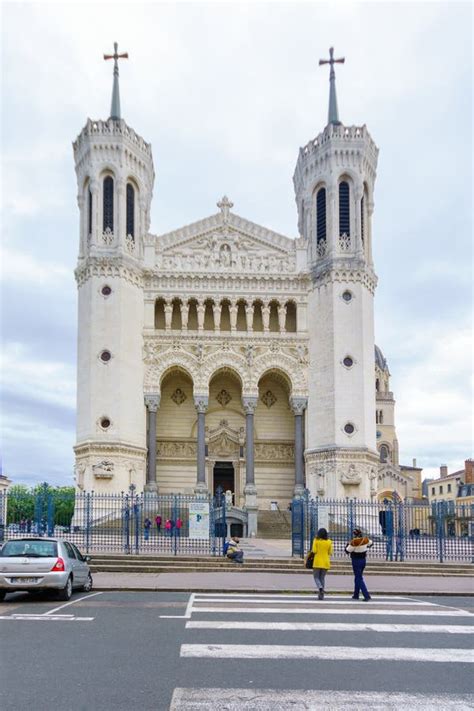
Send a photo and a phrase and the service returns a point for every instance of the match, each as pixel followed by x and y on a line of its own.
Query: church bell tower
pixel 334 185
pixel 115 175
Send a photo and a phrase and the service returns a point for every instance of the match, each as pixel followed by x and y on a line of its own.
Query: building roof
pixel 380 360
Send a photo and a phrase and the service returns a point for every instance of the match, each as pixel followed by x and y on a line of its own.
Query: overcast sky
pixel 227 93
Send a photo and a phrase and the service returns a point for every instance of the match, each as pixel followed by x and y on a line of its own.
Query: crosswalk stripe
pixel 309 700
pixel 295 596
pixel 356 609
pixel 312 602
pixel 277 651
pixel 326 626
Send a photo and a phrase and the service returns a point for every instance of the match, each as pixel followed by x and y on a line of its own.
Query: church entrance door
pixel 224 476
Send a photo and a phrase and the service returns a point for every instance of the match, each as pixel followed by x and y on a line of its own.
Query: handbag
pixel 309 560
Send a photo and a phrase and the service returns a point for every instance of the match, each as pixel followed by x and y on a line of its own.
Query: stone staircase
pixel 120 563
pixel 274 524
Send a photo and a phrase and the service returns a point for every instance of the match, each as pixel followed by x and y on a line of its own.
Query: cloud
pixel 227 93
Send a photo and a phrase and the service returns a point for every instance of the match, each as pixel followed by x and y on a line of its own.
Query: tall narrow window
pixel 108 221
pixel 130 210
pixel 89 211
pixel 321 215
pixel 362 224
pixel 344 210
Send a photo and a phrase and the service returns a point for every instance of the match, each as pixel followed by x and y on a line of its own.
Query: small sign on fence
pixel 323 517
pixel 199 519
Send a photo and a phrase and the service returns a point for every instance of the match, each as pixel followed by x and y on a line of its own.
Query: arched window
pixel 108 206
pixel 344 209
pixel 362 223
pixel 321 215
pixel 384 453
pixel 89 211
pixel 130 210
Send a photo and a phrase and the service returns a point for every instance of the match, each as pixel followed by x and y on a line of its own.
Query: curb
pixel 249 591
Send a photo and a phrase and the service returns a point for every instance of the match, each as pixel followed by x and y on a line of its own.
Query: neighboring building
pixel 446 487
pixel 4 484
pixel 223 353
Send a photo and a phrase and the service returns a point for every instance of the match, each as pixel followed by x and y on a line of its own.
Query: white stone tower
pixel 115 176
pixel 334 184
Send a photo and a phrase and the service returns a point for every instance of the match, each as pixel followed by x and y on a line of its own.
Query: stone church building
pixel 224 353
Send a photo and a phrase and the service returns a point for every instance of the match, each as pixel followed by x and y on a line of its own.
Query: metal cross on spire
pixel 115 106
pixel 333 115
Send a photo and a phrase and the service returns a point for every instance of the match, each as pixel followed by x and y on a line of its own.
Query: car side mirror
pixel 87 558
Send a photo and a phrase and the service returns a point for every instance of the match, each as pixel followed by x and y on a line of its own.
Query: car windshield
pixel 29 549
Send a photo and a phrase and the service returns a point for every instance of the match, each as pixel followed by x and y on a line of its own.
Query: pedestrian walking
pixel 321 549
pixel 358 547
pixel 158 522
pixel 146 528
pixel 233 550
pixel 168 527
pixel 179 526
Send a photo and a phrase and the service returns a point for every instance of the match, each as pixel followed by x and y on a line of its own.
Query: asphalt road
pixel 148 650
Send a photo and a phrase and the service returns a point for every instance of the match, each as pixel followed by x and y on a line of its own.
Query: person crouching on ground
pixel 233 550
pixel 322 549
pixel 358 547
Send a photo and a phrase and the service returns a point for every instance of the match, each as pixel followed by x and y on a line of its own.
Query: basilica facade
pixel 223 353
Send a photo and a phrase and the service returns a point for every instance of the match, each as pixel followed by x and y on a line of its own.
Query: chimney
pixel 414 464
pixel 443 470
pixel 468 471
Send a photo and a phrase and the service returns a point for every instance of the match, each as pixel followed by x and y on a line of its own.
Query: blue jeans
pixel 358 565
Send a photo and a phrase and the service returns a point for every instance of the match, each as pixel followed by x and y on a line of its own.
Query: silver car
pixel 33 564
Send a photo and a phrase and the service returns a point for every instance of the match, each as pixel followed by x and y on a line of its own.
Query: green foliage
pixel 34 502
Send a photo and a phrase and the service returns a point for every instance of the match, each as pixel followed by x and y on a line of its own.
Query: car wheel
pixel 2 595
pixel 87 587
pixel 66 592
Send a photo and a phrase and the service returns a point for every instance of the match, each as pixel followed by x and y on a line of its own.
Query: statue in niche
pixel 225 256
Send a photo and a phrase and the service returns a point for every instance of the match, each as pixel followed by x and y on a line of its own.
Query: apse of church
pixel 223 353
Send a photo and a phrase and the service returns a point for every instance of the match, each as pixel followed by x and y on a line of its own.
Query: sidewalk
pixel 269 582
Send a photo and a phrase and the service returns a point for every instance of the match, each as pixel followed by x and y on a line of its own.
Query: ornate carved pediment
pixel 231 244
pixel 224 441
pixel 103 470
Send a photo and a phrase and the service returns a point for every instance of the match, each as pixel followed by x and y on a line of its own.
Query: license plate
pixel 22 581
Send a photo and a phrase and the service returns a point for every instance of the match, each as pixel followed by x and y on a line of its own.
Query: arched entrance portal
pixel 224 476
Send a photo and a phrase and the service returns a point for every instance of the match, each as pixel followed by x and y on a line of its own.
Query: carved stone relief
pixel 268 398
pixel 179 396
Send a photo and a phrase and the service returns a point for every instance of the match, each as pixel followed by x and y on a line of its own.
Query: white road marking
pixel 43 618
pixel 232 652
pixel 187 613
pixel 313 700
pixel 326 626
pixel 312 602
pixel 298 596
pixel 72 602
pixel 357 609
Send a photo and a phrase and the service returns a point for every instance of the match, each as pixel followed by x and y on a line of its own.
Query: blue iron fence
pixel 127 522
pixel 400 530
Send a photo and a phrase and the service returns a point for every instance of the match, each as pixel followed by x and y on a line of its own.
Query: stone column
pixel 298 405
pixel 249 317
pixel 184 315
pixel 282 318
pixel 201 402
pixel 358 244
pixel 250 490
pixel 152 402
pixel 266 317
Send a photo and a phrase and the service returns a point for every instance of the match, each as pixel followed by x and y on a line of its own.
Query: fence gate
pixel 399 530
pixel 130 522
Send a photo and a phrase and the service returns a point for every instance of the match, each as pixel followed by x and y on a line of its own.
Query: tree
pixel 21 503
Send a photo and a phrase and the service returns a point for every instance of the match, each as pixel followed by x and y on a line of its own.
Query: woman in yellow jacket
pixel 322 549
